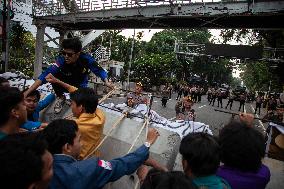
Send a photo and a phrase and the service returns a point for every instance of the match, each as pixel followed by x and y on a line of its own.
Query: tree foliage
pixel 259 75
pixel 22 50
pixel 154 62
pixel 164 41
pixel 153 69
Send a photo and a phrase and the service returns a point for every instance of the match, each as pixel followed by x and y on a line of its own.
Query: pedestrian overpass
pixel 117 14
pixel 82 15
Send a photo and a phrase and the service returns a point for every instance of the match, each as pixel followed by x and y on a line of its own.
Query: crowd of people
pixel 193 93
pixel 55 155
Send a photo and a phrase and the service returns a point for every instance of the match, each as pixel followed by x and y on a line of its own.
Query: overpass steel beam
pixel 189 15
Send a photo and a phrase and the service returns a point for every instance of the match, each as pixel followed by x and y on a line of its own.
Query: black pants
pixel 242 104
pixel 230 102
pixel 164 101
pixel 257 106
pixel 179 96
pixel 209 97
pixel 199 97
pixel 220 100
pixel 212 100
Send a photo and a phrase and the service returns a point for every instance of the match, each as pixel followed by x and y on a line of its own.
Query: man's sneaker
pixel 59 104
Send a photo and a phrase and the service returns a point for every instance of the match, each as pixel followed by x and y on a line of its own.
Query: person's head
pixel 63 137
pixel 130 101
pixel 167 180
pixel 242 147
pixel 84 100
pixel 138 87
pixel 31 100
pixel 71 49
pixel 4 82
pixel 187 102
pixel 200 154
pixel 25 162
pixel 12 108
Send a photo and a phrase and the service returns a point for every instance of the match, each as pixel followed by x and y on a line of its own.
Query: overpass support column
pixel 39 50
pixel 61 38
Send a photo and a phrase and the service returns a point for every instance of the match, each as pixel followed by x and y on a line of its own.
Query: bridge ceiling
pixel 162 14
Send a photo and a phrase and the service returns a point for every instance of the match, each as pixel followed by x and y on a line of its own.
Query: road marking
pixel 202 106
pixel 155 101
pixel 258 120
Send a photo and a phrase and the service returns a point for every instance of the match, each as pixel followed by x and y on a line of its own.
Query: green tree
pixel 164 41
pixel 259 75
pixel 22 50
pixel 153 69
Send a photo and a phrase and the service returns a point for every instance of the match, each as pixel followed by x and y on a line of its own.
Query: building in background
pixel 114 69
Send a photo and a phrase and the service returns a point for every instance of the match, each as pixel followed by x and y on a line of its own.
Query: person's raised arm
pixel 116 168
pixel 34 86
pixel 51 79
pixel 99 71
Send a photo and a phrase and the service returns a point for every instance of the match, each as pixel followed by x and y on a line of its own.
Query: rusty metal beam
pixel 268 14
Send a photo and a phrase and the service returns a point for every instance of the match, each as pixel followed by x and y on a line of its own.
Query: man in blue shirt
pixel 63 140
pixel 34 106
pixel 71 67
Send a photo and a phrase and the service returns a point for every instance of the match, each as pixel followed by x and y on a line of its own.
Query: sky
pixel 148 33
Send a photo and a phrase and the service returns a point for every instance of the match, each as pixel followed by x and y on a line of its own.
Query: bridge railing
pixel 57 7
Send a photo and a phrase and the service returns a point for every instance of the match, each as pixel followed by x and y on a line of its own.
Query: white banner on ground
pixel 179 126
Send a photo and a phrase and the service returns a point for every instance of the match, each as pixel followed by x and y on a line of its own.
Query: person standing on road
pixel 209 94
pixel 165 95
pixel 242 101
pixel 213 97
pixel 231 100
pixel 180 91
pixel 71 67
pixel 258 103
pixel 220 98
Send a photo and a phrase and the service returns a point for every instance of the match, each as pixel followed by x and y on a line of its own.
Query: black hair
pixel 87 98
pixel 10 97
pixel 21 160
pixel 72 43
pixel 167 180
pixel 202 153
pixel 242 147
pixel 35 93
pixel 3 80
pixel 58 133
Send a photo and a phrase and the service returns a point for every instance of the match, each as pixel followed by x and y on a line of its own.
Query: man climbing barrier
pixel 71 67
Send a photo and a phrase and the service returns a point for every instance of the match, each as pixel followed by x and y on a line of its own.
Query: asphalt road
pixel 205 112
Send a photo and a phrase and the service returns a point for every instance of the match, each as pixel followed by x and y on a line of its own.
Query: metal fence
pixel 56 7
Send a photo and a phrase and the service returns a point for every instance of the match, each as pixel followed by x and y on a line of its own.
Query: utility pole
pixel 130 60
pixel 5 37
